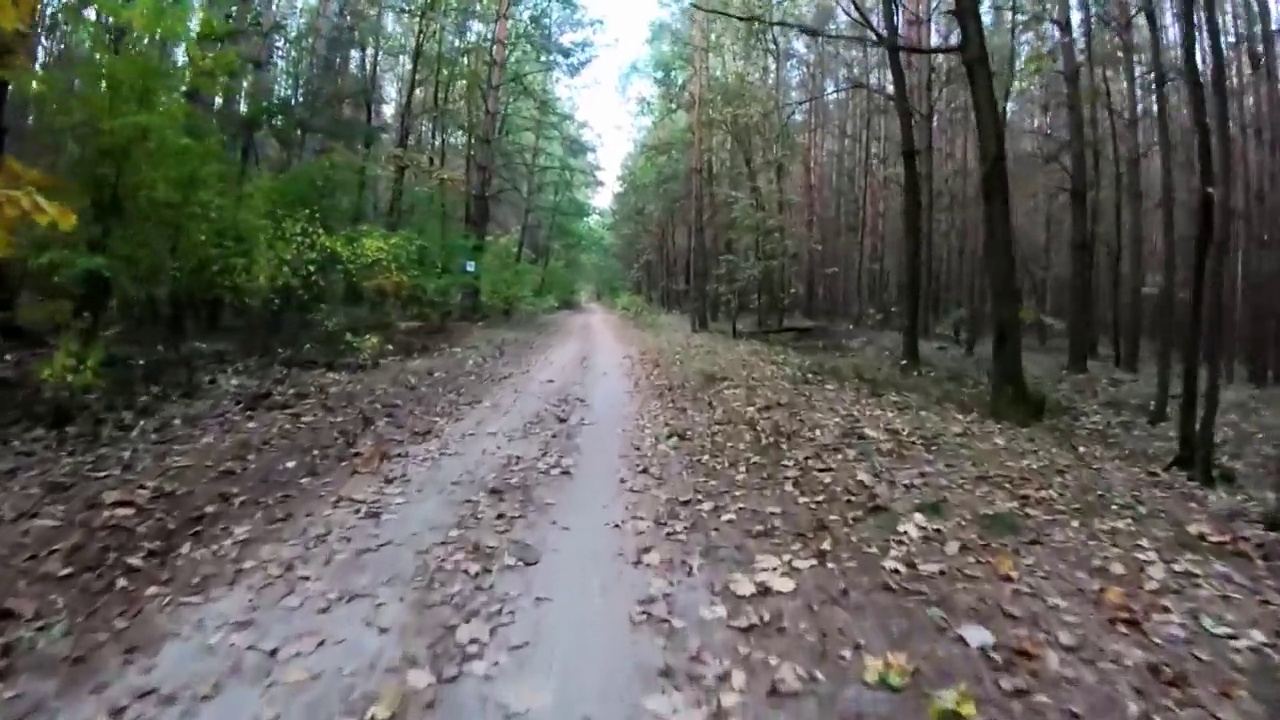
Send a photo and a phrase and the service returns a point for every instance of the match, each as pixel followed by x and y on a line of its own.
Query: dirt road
pixel 483 575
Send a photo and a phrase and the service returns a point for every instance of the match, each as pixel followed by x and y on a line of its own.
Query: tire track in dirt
pixel 569 649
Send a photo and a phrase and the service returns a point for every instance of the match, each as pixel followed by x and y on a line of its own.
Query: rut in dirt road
pixel 401 599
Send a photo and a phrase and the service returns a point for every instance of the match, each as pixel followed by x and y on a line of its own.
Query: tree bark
pixel 698 316
pixel 912 205
pixel 478 211
pixel 404 125
pixel 1080 319
pixel 1215 282
pixel 1205 210
pixel 1269 323
pixel 1117 247
pixel 1011 398
pixel 1168 234
pixel 1129 359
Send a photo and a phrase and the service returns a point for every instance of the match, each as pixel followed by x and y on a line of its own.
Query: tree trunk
pixel 1133 186
pixel 404 125
pixel 1168 234
pixel 372 97
pixel 1215 283
pixel 1011 398
pixel 1117 233
pixel 530 187
pixel 478 212
pixel 1205 209
pixel 1080 319
pixel 698 316
pixel 1269 323
pixel 912 206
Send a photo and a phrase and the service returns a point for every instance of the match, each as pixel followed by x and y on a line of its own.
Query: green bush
pixel 175 220
pixel 632 305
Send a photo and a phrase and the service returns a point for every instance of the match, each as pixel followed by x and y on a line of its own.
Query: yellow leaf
pixel 1005 568
pixel 892 672
pixel 872 667
pixel 388 703
pixel 9 210
pixel 16 205
pixel 954 703
pixel 14 174
pixel 1114 597
pixel 898 671
pixel 62 216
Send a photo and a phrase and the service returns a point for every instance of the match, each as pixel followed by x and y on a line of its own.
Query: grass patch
pixel 935 509
pixel 883 523
pixel 1000 524
pixel 937 384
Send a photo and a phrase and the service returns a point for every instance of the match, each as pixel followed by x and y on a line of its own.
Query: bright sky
pixel 603 103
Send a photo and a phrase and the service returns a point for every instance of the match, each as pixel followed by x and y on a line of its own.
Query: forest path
pixel 482 575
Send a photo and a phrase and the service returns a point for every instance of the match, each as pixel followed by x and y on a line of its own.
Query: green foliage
pixel 506 285
pixel 634 307
pixel 74 368
pixel 203 188
pixel 365 347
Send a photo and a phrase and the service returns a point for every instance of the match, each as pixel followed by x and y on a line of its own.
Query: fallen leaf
pixel 419 679
pixel 953 703
pixel 295 674
pixel 892 671
pixel 1013 685
pixel 767 562
pixel 1006 568
pixel 872 668
pixel 714 611
pixel 1067 640
pixel 523 552
pixel 369 458
pixel 776 582
pixel 1113 596
pixel 931 569
pixel 1215 628
pixel 748 619
pixel 208 691
pixel 1208 534
pixel 738 680
pixel 1029 647
pixel 976 636
pixel 474 630
pixel 893 566
pixel 729 699
pixel 388 703
pixel 788 679
pixel 741 585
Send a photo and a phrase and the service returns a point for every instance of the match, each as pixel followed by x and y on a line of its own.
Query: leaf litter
pixel 102 524
pixel 1024 571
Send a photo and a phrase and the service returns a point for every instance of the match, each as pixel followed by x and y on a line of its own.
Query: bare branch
pixel 811 31
pixel 854 85
pixel 862 19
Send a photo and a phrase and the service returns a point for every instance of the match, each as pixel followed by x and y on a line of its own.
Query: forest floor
pixel 846 516
pixel 338 544
pixel 586 518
